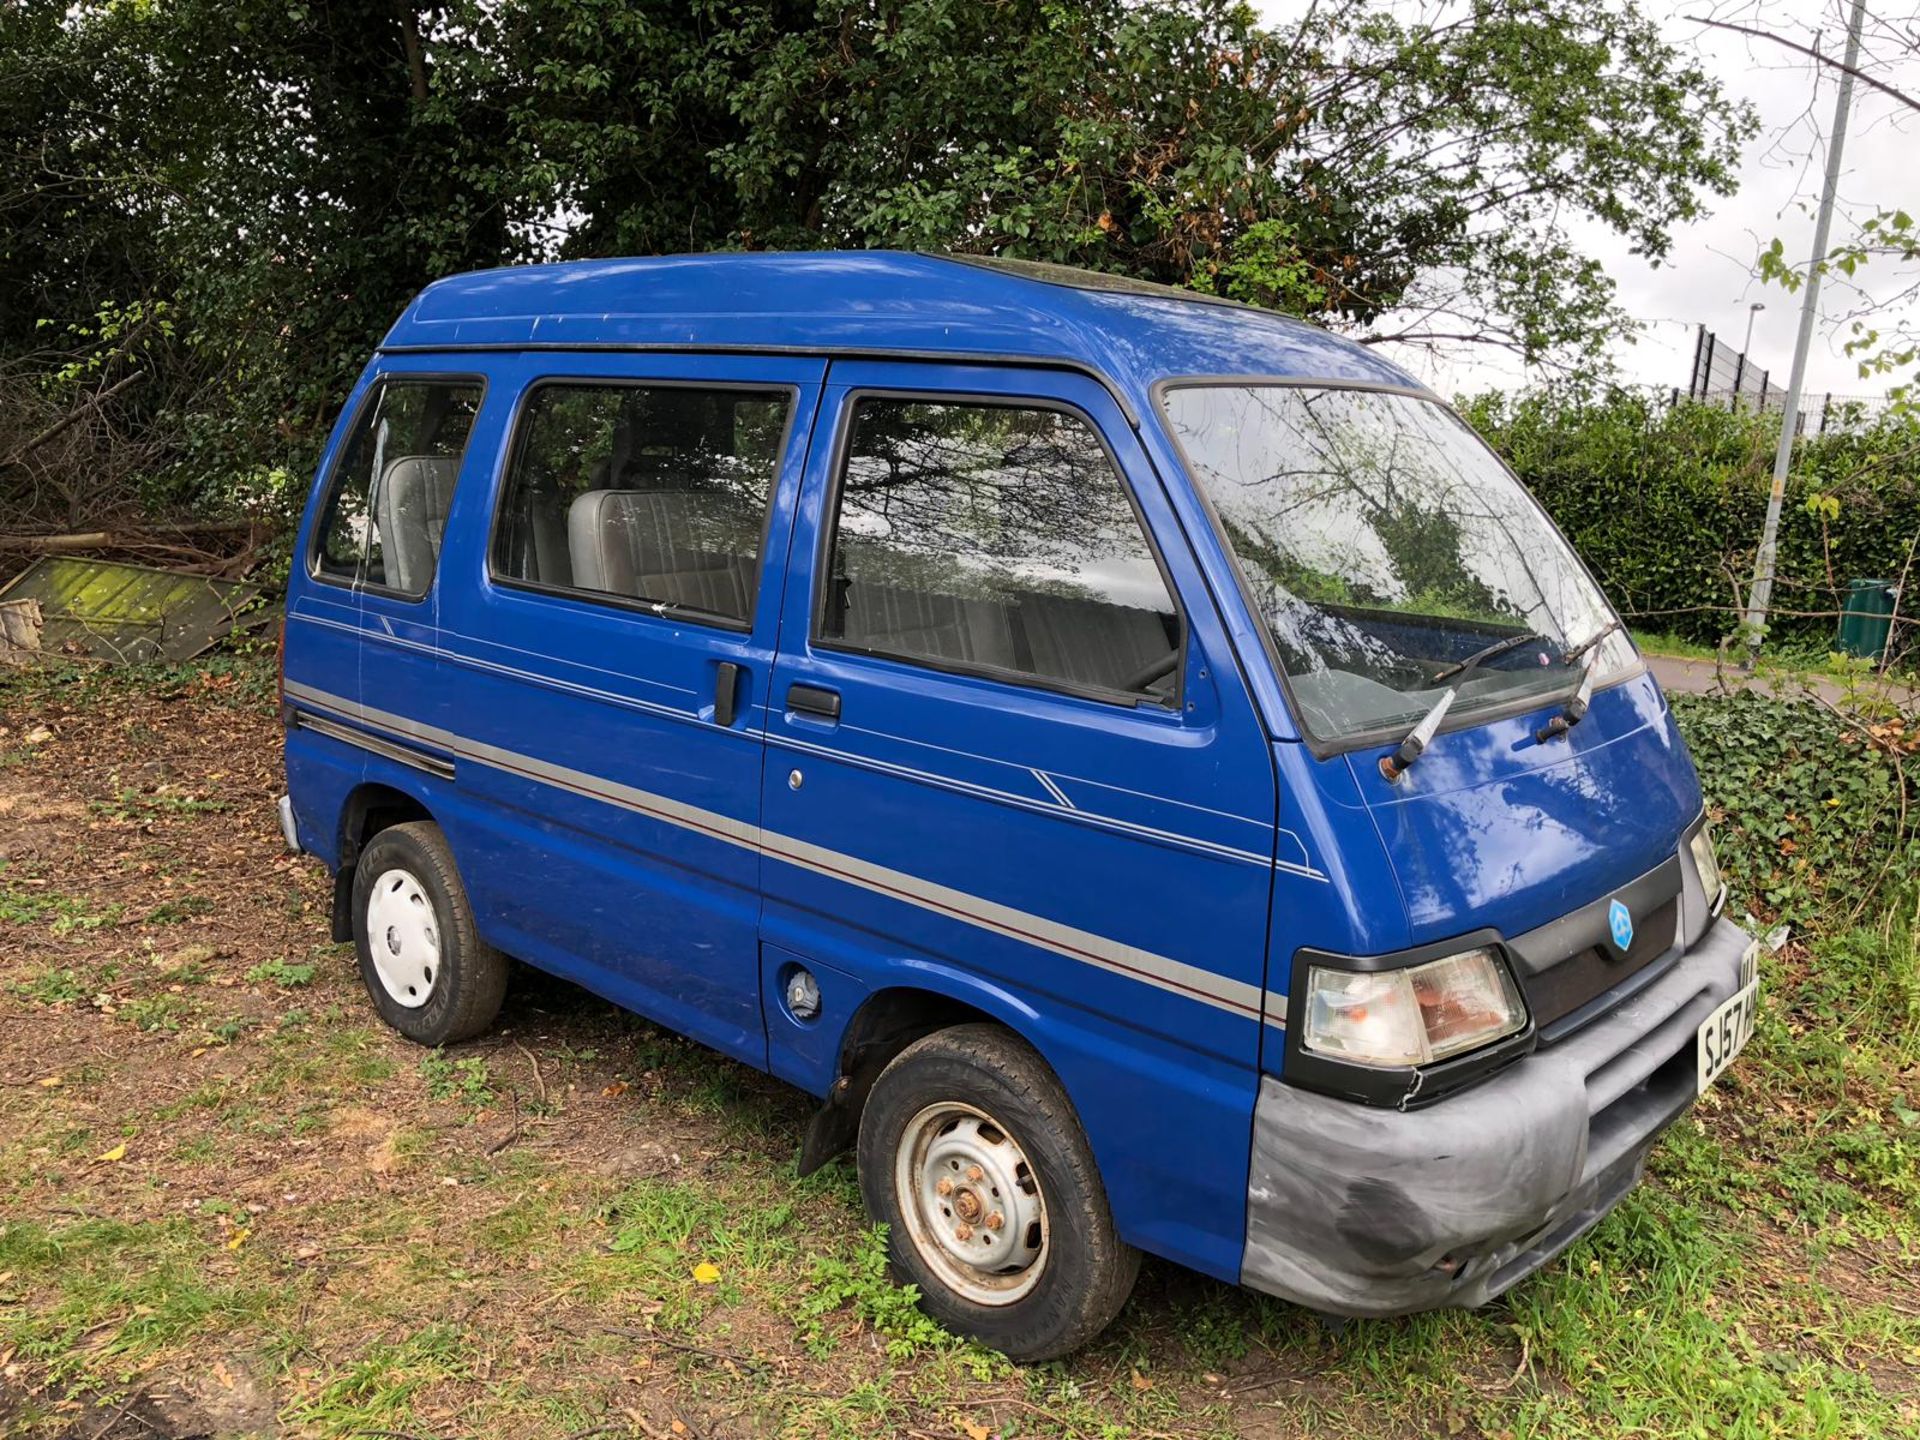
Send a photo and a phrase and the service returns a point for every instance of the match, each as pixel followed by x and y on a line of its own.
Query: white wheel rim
pixel 972 1203
pixel 403 937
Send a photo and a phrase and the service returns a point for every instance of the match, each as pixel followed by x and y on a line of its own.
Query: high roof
pixel 872 301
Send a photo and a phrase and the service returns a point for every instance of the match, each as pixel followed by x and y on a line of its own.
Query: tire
pixel 969 1107
pixel 430 974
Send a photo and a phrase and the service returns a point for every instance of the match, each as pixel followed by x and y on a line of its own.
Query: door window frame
pixel 370 396
pixel 517 436
pixel 1174 704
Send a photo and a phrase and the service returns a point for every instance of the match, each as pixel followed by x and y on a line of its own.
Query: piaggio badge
pixel 1620 922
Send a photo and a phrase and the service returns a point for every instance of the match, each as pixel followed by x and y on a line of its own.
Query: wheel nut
pixel 963 1232
pixel 974 1172
pixel 944 1188
pixel 996 1220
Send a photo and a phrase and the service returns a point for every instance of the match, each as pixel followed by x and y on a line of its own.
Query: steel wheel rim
pixel 972 1203
pixel 403 938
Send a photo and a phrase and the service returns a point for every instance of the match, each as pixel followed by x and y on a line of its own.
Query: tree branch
pixel 73 417
pixel 410 40
pixel 1812 54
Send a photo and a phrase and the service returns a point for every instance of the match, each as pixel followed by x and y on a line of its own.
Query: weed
pixel 179 910
pixel 130 804
pixel 864 1281
pixel 466 1080
pixel 155 1012
pixel 186 967
pixel 129 1288
pixel 51 987
pixel 231 1029
pixel 66 912
pixel 1811 818
pixel 379 1387
pixel 279 972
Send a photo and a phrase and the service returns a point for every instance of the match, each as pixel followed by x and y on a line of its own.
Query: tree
pixel 1407 180
pixel 283 176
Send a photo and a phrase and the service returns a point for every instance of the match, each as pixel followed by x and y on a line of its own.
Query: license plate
pixel 1724 1033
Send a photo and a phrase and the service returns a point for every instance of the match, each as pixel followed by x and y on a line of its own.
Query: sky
pixel 1708 276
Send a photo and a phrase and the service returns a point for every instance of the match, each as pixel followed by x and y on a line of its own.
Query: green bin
pixel 1866 618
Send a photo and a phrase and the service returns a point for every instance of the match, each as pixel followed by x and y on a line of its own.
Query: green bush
pixel 1812 818
pixel 1666 504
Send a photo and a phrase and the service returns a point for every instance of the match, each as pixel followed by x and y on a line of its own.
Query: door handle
pixel 726 692
pixel 814 700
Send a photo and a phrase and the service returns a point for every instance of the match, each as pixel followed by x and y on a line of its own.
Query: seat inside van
pixel 415 493
pixel 1083 640
pixel 695 548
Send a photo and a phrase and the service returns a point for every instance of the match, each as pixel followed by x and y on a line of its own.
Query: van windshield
pixel 1390 554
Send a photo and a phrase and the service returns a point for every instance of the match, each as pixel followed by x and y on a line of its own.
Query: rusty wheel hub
pixel 972 1203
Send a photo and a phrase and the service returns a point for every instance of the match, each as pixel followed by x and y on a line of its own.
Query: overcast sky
pixel 1708 277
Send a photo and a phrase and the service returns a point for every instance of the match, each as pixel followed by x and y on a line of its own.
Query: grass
pixel 127 1290
pixel 377 1387
pixel 461 1244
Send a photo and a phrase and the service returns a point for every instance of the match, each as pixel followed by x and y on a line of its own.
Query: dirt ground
pixel 232 1203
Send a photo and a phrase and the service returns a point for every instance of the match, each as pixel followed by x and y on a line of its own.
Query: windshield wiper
pixel 1576 707
pixel 1575 711
pixel 1395 765
pixel 1474 661
pixel 1587 644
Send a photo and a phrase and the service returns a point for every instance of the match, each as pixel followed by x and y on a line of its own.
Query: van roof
pixel 878 302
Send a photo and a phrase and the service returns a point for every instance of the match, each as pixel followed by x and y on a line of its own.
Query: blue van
pixel 1141 761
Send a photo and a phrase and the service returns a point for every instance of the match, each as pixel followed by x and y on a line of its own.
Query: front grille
pixel 1560 990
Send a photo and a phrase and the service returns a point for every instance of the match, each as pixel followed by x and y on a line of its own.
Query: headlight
pixel 1705 865
pixel 1413 1016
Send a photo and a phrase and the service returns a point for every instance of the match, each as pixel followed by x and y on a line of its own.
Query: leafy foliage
pixel 1814 827
pixel 865 1281
pixel 276 179
pixel 1814 820
pixel 1665 503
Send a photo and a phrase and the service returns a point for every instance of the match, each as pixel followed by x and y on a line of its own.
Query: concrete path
pixel 1708 677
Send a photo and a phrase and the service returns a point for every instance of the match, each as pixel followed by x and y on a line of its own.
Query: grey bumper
pixel 1357 1210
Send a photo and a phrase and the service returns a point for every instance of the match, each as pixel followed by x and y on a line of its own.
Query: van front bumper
pixel 1357 1210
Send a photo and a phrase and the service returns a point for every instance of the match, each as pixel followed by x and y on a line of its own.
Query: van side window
pixel 996 537
pixel 655 494
pixel 386 506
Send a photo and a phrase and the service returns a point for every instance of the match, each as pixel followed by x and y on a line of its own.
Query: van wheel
pixel 431 976
pixel 971 1154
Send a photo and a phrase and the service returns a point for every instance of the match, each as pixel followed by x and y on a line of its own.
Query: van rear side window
pixel 387 502
pixel 649 494
pixel 996 538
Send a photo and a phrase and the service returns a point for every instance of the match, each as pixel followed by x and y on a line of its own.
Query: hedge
pixel 1666 503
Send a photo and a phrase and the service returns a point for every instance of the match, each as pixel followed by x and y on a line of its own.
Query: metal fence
pixel 1728 378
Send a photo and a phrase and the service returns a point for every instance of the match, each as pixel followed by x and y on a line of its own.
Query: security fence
pixel 1729 380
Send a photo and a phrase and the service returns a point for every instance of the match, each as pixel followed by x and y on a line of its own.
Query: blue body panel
pixel 1127 823
pixel 1494 829
pixel 1123 885
pixel 874 303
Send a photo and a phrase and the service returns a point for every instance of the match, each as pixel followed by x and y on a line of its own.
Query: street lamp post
pixel 1752 310
pixel 1761 595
